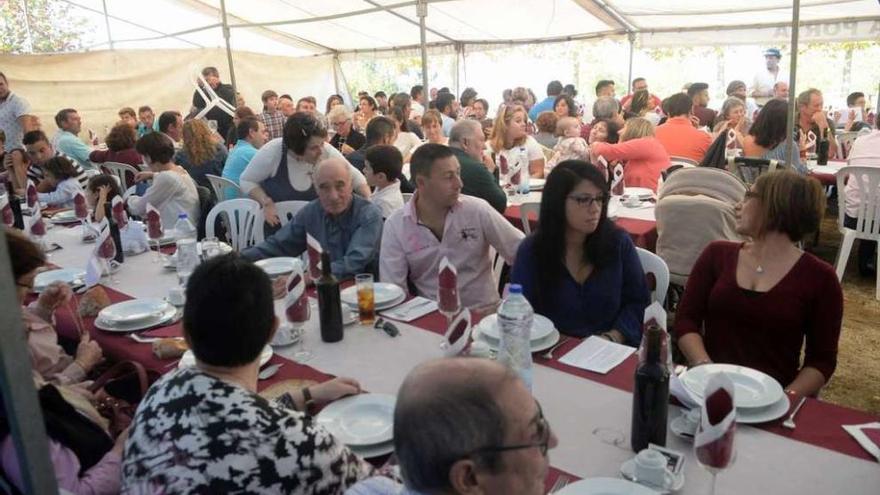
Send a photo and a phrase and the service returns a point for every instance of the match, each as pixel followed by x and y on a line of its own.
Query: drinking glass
pixel 298 315
pixel 716 456
pixel 154 232
pixel 210 247
pixel 449 305
pixel 107 251
pixel 366 298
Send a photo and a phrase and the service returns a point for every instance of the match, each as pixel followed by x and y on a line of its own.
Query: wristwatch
pixel 307 399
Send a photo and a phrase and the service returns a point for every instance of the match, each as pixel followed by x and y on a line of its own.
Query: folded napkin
pixel 296 302
pixel 447 287
pixel 31 193
pixel 615 172
pixel 105 248
pixel 811 141
pixel 314 249
pixel 655 315
pixel 119 215
pixel 35 224
pixel 502 165
pixel 134 238
pixel 80 207
pixel 6 211
pixel 154 222
pixel 714 441
pixel 731 140
pixel 868 436
pixel 457 334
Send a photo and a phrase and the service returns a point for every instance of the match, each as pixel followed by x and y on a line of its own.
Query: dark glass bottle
pixel 650 395
pixel 329 303
pixel 15 206
pixel 114 233
pixel 822 149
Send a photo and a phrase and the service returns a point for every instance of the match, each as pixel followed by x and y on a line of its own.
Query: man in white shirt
pixel 762 85
pixel 440 222
pixel 15 117
pixel 382 168
pixel 418 102
pixel 865 153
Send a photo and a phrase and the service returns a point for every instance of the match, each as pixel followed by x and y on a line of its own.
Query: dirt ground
pixel 856 383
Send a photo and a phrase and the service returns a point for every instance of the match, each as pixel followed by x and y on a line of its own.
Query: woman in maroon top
pixel 759 302
pixel 120 147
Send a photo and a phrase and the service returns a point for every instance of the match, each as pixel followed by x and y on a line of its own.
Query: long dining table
pixel 589 412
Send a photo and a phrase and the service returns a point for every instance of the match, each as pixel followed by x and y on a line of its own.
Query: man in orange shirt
pixel 678 135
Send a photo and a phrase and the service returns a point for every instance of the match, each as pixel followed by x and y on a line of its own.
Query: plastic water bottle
pixel 187 247
pixel 523 189
pixel 515 323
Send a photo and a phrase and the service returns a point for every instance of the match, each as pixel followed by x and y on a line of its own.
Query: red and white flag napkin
pixel 458 333
pixel 80 207
pixel 731 139
pixel 868 436
pixel 602 165
pixel 154 223
pixel 617 184
pixel 516 173
pixel 313 247
pixel 119 214
pixel 503 167
pixel 31 194
pixel 35 224
pixel 714 441
pixel 447 287
pixel 105 248
pixel 6 211
pixel 811 141
pixel 296 302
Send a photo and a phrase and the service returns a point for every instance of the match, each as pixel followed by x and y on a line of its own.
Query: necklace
pixel 759 269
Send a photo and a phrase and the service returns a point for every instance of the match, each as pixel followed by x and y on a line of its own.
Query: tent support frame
pixel 228 46
pixel 793 145
pixel 107 23
pixel 422 12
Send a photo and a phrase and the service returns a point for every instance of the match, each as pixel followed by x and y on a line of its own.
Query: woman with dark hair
pixel 564 106
pixel 100 191
pixel 173 191
pixel 202 154
pixel 578 269
pixel 120 147
pixel 282 168
pixel 758 303
pixel 367 109
pixel 604 131
pixel 406 141
pixel 332 101
pixel 61 174
pixel 766 138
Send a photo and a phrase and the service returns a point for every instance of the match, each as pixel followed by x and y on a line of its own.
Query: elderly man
pixel 496 443
pixel 67 139
pixel 224 91
pixel 348 227
pixel 811 117
pixel 780 90
pixel 762 85
pixel 347 139
pixel 468 142
pixel 439 222
pixel 15 117
pixel 606 107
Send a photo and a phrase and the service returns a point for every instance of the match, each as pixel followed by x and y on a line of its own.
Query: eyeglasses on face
pixel 586 200
pixel 543 432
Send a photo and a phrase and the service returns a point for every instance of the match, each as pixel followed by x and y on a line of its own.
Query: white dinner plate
pixel 349 314
pixel 157 320
pixel 64 217
pixel 536 345
pixel 360 420
pixel 605 486
pixel 643 193
pixel 383 294
pixel 753 388
pixel 170 262
pixel 756 415
pixel 371 451
pixel 70 276
pixel 188 359
pixel 536 184
pixel 541 327
pixel 282 265
pixel 133 311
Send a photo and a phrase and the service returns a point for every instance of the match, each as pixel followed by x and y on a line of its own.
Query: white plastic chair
pixel 224 189
pixel 524 210
pixel 867 216
pixel 123 172
pixel 845 142
pixel 210 97
pixel 680 160
pixel 238 216
pixel 653 264
pixel 288 209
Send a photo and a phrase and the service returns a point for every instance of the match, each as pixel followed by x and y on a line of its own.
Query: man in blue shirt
pixel 252 135
pixel 147 121
pixel 446 105
pixel 67 139
pixel 348 227
pixel 554 89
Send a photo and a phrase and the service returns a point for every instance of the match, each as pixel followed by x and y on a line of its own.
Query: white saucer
pixel 605 486
pixel 673 483
pixel 679 427
pixel 285 336
pixel 536 345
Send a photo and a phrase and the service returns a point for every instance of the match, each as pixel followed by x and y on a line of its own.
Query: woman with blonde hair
pixel 643 155
pixel 201 153
pixel 509 136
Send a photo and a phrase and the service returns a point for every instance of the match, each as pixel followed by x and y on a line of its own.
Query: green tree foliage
pixel 39 26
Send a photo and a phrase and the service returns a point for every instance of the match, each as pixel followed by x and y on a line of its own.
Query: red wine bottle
pixel 329 302
pixel 650 395
pixel 822 149
pixel 114 233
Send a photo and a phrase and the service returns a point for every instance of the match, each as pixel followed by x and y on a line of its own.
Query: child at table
pixel 100 190
pixel 571 146
pixel 61 174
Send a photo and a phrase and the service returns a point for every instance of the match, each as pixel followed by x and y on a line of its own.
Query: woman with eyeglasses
pixel 577 268
pixel 758 303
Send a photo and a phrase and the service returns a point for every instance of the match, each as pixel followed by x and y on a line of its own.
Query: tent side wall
pixel 99 83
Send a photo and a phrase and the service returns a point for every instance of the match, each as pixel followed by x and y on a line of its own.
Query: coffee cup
pixel 177 296
pixel 692 419
pixel 650 468
pixel 480 349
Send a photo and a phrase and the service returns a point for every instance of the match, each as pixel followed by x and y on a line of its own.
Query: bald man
pixel 348 227
pixel 467 425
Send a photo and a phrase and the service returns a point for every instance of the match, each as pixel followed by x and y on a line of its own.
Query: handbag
pixel 114 383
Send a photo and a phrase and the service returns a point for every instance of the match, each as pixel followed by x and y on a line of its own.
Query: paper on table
pixel 413 309
pixel 868 436
pixel 597 354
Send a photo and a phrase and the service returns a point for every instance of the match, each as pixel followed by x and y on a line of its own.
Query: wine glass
pixel 154 232
pixel 717 455
pixel 81 210
pixel 449 305
pixel 107 251
pixel 298 314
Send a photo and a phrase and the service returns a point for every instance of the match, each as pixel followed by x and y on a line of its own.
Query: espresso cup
pixel 650 468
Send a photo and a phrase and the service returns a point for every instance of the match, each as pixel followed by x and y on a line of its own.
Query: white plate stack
pixel 70 276
pixel 384 296
pixel 134 315
pixel 759 397
pixel 364 423
pixel 544 335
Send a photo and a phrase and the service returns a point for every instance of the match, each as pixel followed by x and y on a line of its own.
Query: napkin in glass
pixel 80 207
pixel 811 142
pixel 714 441
pixel 458 334
pixel 31 194
pixel 447 286
pixel 314 250
pixel 6 211
pixel 117 207
pixel 296 301
pixel 35 224
pixel 154 222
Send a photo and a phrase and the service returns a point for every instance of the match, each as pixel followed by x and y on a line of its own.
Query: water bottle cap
pixel 182 215
pixel 514 289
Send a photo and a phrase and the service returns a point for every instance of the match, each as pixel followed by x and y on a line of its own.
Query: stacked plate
pixel 188 359
pixel 64 217
pixel 170 262
pixel 605 486
pixel 275 267
pixel 70 276
pixel 364 423
pixel 759 397
pixel 643 193
pixel 384 296
pixel 536 184
pixel 134 315
pixel 544 335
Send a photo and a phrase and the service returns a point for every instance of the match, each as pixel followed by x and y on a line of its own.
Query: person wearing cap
pixel 762 86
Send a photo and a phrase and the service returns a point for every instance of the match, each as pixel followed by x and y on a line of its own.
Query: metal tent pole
pixel 107 23
pixel 17 388
pixel 422 12
pixel 228 46
pixel 632 40
pixel 791 142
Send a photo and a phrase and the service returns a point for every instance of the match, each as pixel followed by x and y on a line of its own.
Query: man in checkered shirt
pixel 272 118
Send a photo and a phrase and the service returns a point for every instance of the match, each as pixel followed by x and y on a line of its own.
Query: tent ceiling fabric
pixel 328 26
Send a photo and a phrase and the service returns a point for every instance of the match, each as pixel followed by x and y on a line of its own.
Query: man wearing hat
pixel 762 87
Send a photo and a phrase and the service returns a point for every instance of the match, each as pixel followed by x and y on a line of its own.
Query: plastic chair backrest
pixel 680 160
pixel 122 171
pixel 749 169
pixel 224 188
pixel 288 209
pixel 845 142
pixel 239 216
pixel 868 212
pixel 524 210
pixel 654 265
